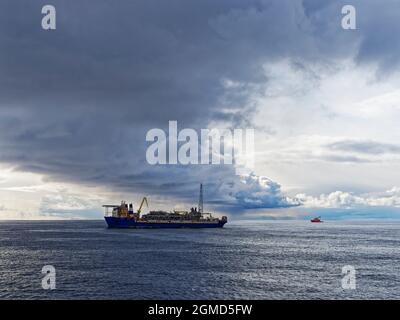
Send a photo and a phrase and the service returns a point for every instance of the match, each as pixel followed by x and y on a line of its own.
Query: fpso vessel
pixel 123 216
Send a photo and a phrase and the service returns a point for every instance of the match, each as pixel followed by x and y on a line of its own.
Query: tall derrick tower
pixel 201 199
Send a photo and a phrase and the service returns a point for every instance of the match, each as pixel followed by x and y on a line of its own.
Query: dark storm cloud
pixel 379 22
pixel 76 103
pixel 376 38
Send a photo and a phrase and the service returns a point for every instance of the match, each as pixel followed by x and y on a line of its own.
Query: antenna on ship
pixel 201 199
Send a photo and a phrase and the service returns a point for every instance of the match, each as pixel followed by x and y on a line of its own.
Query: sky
pixel 76 104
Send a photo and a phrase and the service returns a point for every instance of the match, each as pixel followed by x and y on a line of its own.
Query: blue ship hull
pixel 114 222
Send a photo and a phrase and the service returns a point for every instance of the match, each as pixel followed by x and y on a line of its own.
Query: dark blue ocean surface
pixel 246 260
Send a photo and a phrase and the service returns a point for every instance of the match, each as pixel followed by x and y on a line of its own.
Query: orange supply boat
pixel 317 219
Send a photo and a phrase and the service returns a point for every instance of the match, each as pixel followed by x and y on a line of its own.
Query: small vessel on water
pixel 123 216
pixel 317 219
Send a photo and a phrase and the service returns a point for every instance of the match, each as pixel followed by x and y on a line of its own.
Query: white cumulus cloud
pixel 252 191
pixel 341 199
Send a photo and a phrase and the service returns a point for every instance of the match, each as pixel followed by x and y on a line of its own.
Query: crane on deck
pixel 144 200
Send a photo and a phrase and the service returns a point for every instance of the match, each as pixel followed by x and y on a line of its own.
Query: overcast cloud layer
pixel 76 103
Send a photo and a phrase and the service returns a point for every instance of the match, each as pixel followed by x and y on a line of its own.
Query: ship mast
pixel 201 199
